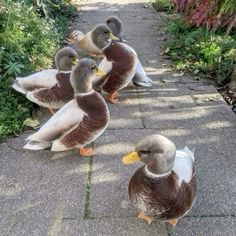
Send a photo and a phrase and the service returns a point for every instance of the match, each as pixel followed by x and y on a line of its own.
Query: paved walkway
pixel 49 194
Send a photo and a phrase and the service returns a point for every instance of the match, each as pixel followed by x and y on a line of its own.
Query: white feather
pixel 18 88
pixel 140 77
pixel 62 121
pixel 183 165
pixel 37 145
pixel 45 78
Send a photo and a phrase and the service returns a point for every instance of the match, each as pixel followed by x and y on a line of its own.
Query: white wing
pixel 62 121
pixel 183 166
pixel 45 78
pixel 140 77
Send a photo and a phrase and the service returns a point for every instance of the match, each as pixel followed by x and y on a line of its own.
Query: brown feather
pixel 62 91
pixel 123 62
pixel 164 199
pixel 95 120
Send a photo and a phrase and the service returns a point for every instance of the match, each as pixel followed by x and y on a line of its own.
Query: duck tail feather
pixel 35 145
pixel 16 85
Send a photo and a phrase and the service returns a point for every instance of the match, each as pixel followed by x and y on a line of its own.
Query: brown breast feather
pixel 62 91
pixel 95 119
pixel 165 200
pixel 123 62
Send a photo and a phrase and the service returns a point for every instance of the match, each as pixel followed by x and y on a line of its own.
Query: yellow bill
pixel 75 61
pixel 112 36
pixel 131 158
pixel 100 72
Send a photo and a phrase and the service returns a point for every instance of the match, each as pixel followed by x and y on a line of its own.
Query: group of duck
pixel 165 187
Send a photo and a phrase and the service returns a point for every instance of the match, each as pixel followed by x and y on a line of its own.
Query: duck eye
pixel 93 67
pixel 106 32
pixel 108 22
pixel 145 151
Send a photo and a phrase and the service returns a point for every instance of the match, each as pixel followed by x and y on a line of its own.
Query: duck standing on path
pixel 65 58
pixel 140 78
pixel 124 63
pixel 92 42
pixel 165 188
pixel 80 121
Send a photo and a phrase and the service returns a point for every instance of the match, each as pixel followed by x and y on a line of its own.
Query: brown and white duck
pixel 140 78
pixel 165 188
pixel 80 121
pixel 56 96
pixel 122 62
pixel 92 42
pixel 65 58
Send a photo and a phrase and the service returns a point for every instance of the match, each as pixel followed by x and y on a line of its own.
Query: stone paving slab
pixel 36 185
pixel 125 114
pixel 216 193
pixel 44 193
pixel 111 226
pixel 206 226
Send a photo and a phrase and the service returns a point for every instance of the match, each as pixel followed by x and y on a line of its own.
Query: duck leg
pixel 142 216
pixel 51 110
pixel 87 152
pixel 173 222
pixel 113 98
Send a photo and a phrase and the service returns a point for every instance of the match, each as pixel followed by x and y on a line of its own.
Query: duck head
pixel 115 24
pixel 83 74
pixel 156 152
pixel 102 35
pixel 65 58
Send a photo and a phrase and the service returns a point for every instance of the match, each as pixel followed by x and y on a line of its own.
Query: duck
pixel 65 58
pixel 140 79
pixel 80 121
pixel 116 26
pixel 165 187
pixel 93 41
pixel 123 61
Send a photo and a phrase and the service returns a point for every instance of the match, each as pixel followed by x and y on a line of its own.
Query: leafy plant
pixel 210 55
pixel 163 5
pixel 212 14
pixel 29 40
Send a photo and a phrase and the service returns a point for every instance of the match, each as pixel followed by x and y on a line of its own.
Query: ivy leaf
pixel 33 123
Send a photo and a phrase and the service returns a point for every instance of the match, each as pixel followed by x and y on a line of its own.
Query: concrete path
pixel 49 194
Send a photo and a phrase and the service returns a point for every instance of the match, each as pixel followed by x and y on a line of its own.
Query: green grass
pixel 162 5
pixel 209 55
pixel 29 39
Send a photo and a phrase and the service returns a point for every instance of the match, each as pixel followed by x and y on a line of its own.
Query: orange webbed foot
pixel 113 98
pixel 51 111
pixel 142 216
pixel 173 222
pixel 87 152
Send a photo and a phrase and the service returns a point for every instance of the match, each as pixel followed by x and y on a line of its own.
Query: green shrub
pixel 162 5
pixel 28 42
pixel 207 54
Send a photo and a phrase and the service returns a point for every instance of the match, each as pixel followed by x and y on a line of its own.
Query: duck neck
pixel 152 174
pixel 83 88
